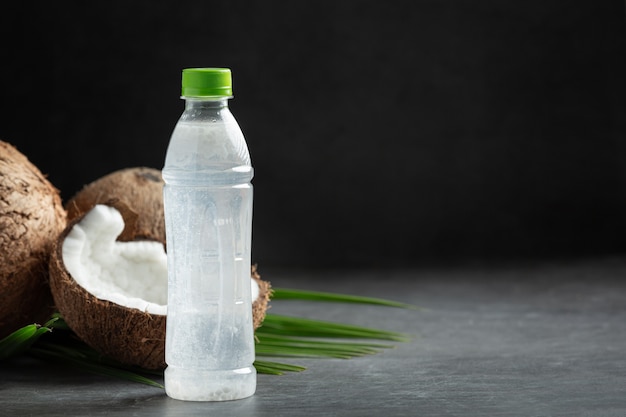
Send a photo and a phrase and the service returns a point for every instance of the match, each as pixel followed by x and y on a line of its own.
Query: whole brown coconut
pixel 127 335
pixel 31 219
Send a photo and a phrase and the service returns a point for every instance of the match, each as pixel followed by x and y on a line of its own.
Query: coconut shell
pixel 31 218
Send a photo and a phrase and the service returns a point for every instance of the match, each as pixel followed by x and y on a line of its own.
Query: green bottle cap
pixel 207 82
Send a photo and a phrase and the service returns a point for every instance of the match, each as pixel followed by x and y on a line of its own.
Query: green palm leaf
pixel 279 336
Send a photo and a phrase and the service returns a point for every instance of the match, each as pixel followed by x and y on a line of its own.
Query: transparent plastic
pixel 209 348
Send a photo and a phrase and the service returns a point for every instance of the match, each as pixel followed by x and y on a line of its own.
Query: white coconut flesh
pixel 132 274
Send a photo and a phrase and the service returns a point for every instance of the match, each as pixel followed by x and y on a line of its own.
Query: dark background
pixel 395 133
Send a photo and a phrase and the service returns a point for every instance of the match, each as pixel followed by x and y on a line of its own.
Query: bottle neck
pixel 205 103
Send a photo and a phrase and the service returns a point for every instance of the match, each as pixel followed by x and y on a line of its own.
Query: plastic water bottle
pixel 209 347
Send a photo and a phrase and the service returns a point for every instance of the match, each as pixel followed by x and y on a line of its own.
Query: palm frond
pixel 279 336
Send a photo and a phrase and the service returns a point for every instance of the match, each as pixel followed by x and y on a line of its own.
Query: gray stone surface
pixel 546 340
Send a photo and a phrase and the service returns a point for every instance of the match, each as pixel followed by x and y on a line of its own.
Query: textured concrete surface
pixel 547 340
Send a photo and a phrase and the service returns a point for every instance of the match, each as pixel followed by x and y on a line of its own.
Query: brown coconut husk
pixel 262 303
pixel 31 218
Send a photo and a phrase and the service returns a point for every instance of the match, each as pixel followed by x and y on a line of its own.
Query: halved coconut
pixel 113 294
pixel 31 218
